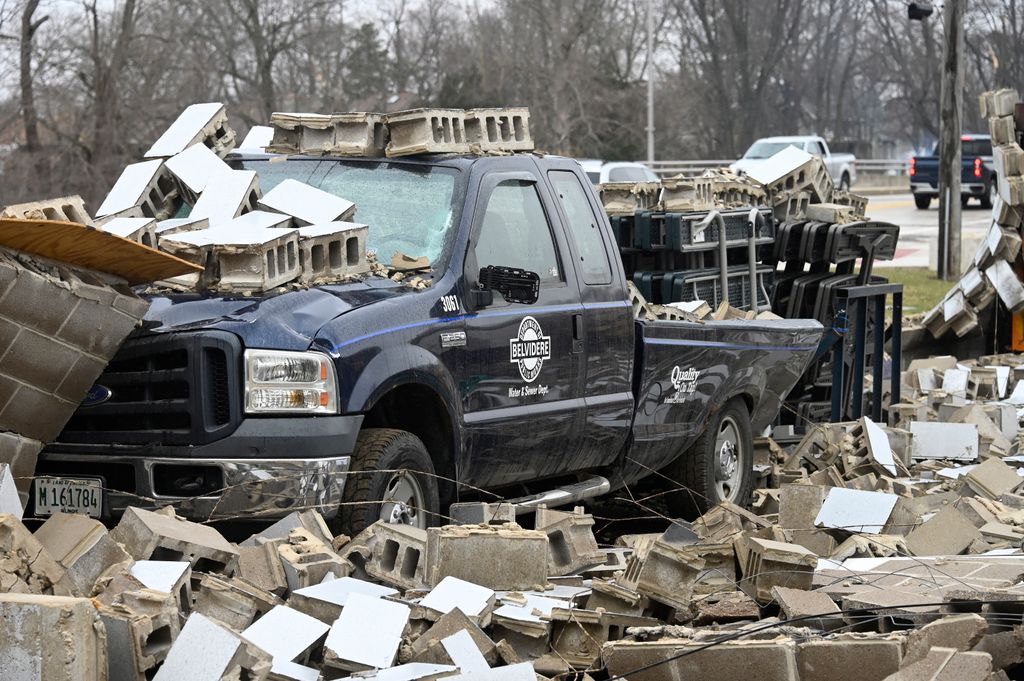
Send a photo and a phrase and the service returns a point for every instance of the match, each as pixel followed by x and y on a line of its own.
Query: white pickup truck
pixel 843 167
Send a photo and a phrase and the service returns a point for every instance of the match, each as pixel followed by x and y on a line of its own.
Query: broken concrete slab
pixel 462 650
pixel 10 501
pixel 231 601
pixel 51 637
pixel 684 659
pixel 424 648
pixel 571 542
pixel 849 659
pixel 352 646
pixel 307 204
pixel 768 564
pixel 261 566
pixel 307 560
pixel 206 651
pixel 155 536
pixel 25 565
pixel 807 608
pixel 959 632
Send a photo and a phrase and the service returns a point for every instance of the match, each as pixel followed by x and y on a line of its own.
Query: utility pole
pixel 951 108
pixel 650 81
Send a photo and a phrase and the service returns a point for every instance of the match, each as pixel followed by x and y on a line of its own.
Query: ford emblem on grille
pixel 98 394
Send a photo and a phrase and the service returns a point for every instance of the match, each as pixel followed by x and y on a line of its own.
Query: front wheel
pixel 391 479
pixel 922 201
pixel 718 467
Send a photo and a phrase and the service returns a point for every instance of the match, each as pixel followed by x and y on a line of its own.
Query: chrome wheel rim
pixel 404 501
pixel 729 460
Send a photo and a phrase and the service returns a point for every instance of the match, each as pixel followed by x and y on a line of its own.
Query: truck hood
pixel 285 321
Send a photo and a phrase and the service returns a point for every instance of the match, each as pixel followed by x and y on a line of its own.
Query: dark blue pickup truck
pixel 977 179
pixel 520 369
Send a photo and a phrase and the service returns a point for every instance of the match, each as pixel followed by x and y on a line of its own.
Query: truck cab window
pixel 594 265
pixel 515 232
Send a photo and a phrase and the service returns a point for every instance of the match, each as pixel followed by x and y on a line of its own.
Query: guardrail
pixel 865 166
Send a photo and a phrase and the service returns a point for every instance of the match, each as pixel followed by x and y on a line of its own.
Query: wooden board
pixel 93 249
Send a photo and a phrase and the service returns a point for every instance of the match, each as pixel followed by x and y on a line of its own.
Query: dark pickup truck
pixel 520 369
pixel 977 178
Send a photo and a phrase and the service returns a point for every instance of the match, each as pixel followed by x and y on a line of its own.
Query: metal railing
pixel 865 166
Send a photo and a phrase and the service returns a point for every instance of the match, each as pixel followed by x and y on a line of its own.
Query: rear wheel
pixel 964 200
pixel 922 201
pixel 718 467
pixel 989 197
pixel 391 479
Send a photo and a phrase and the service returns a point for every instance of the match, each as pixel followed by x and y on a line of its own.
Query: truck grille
pixel 170 389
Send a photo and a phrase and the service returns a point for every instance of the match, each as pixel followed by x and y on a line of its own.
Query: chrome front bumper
pixel 253 489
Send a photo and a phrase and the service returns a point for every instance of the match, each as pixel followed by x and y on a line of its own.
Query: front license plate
pixel 69 495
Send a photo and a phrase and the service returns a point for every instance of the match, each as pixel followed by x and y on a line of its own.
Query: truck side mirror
pixel 514 285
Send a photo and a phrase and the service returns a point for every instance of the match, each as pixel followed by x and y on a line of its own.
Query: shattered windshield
pixel 766 149
pixel 409 208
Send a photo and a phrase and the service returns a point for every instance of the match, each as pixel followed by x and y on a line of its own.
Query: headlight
pixel 278 382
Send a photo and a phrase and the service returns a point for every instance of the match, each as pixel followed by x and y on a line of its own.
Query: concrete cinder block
pixel 193 169
pixel 168 576
pixel 427 131
pixel 1009 288
pixel 228 194
pixel 1004 214
pixel 307 204
pixel 947 532
pixel 10 501
pixel 359 134
pixel 425 647
pixel 830 212
pixel 686 194
pixel 505 557
pixel 144 189
pixel 772 563
pixel 352 646
pixel 998 102
pixel 808 608
pixel 666 574
pixel 959 632
pixel 956 441
pixel 849 659
pixel 399 556
pixel 339 134
pixel 325 600
pixel 332 250
pixel 773 660
pixel 19 454
pixel 139 230
pixel 146 535
pixel 1011 189
pixel 307 560
pixel 207 651
pixel 944 664
pixel 626 198
pixel 1008 159
pixel 65 209
pixel 205 124
pixel 571 542
pixel 1002 130
pixel 261 566
pixel 499 129
pixel 856 510
pixel 25 565
pixel 475 601
pixel 141 626
pixel 310 520
pixel 82 546
pixel 51 637
pixel 992 479
pixel 233 602
pixel 258 138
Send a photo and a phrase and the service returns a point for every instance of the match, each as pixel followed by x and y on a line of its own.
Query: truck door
pixel 521 381
pixel 607 333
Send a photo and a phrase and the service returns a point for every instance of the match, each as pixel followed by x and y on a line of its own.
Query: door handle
pixel 577 332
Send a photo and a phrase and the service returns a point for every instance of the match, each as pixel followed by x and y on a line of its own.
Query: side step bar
pixel 475 512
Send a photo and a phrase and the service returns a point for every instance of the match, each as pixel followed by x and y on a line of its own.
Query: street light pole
pixel 650 81
pixel 950 128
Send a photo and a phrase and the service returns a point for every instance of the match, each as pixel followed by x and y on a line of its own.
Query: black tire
pixel 922 201
pixel 844 182
pixel 964 200
pixel 990 192
pixel 395 454
pixel 697 471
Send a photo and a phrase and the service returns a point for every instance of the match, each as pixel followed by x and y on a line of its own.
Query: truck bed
pixel 683 368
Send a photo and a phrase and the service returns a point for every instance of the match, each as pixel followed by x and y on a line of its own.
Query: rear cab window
pixel 593 263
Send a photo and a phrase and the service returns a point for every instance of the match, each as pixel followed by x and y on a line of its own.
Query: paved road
pixel 919 229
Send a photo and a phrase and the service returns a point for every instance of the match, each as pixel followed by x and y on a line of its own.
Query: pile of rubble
pixel 992 271
pixel 794 183
pixel 292 235
pixel 876 553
